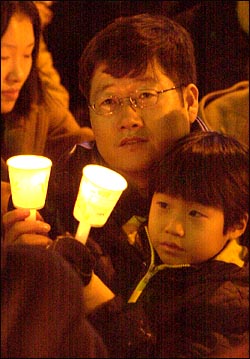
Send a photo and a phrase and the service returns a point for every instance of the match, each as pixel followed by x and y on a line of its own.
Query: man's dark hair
pixel 129 44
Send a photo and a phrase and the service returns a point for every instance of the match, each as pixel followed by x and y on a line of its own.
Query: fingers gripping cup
pixel 29 177
pixel 99 191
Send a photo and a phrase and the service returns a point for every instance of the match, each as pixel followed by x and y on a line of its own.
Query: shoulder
pixel 233 288
pixel 79 156
pixel 29 263
pixel 227 110
pixel 54 107
pixel 221 295
pixel 42 294
pixel 35 282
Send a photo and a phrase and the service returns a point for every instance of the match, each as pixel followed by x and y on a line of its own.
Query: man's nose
pixel 130 101
pixel 129 114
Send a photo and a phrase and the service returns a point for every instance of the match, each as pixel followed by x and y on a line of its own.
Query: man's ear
pixel 238 229
pixel 191 96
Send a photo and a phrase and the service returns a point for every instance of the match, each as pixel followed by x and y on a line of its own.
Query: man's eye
pixel 146 95
pixel 107 102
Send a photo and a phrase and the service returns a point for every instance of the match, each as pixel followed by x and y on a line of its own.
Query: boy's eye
pixel 196 214
pixel 162 204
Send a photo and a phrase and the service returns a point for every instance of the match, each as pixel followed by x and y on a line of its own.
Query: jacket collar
pixel 233 253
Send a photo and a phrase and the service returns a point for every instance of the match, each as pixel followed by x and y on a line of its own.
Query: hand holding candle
pixel 29 177
pixel 99 191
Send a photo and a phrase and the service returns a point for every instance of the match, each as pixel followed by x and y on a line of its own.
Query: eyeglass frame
pixel 131 100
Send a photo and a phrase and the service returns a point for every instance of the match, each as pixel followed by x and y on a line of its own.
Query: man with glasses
pixel 140 99
pixel 138 76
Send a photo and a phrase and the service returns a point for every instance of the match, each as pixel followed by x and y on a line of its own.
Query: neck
pixel 139 180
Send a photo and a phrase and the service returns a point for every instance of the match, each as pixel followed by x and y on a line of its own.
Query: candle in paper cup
pixel 29 177
pixel 99 191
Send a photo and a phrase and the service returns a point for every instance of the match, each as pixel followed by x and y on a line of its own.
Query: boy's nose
pixel 175 227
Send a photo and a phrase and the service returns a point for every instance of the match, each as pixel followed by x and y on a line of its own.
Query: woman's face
pixel 17 45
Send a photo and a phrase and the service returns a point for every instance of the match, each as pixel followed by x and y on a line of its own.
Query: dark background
pixel 221 45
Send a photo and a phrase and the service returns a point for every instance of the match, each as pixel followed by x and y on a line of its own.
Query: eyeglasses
pixel 107 106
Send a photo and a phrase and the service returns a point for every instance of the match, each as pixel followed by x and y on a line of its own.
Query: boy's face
pixel 185 232
pixel 132 139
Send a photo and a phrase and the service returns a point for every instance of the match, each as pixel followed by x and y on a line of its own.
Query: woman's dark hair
pixel 209 168
pixel 129 44
pixel 31 90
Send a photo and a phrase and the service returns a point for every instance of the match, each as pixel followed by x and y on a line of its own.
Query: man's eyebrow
pixel 103 88
pixel 151 79
pixel 147 79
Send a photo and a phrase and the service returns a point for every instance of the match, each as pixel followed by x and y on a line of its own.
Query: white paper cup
pixel 99 191
pixel 29 177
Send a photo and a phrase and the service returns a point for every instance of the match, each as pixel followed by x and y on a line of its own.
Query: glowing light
pixel 99 191
pixel 29 177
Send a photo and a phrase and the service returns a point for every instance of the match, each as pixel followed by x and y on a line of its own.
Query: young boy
pixel 193 300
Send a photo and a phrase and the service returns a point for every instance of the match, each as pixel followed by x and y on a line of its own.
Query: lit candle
pixel 99 191
pixel 29 177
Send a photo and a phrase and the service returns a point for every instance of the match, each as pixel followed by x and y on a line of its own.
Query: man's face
pixel 133 139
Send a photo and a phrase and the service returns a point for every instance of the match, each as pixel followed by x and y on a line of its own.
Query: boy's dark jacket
pixel 183 312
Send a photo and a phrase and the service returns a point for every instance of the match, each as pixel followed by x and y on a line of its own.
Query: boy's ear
pixel 238 229
pixel 191 95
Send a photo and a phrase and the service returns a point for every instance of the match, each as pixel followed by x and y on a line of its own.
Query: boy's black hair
pixel 210 168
